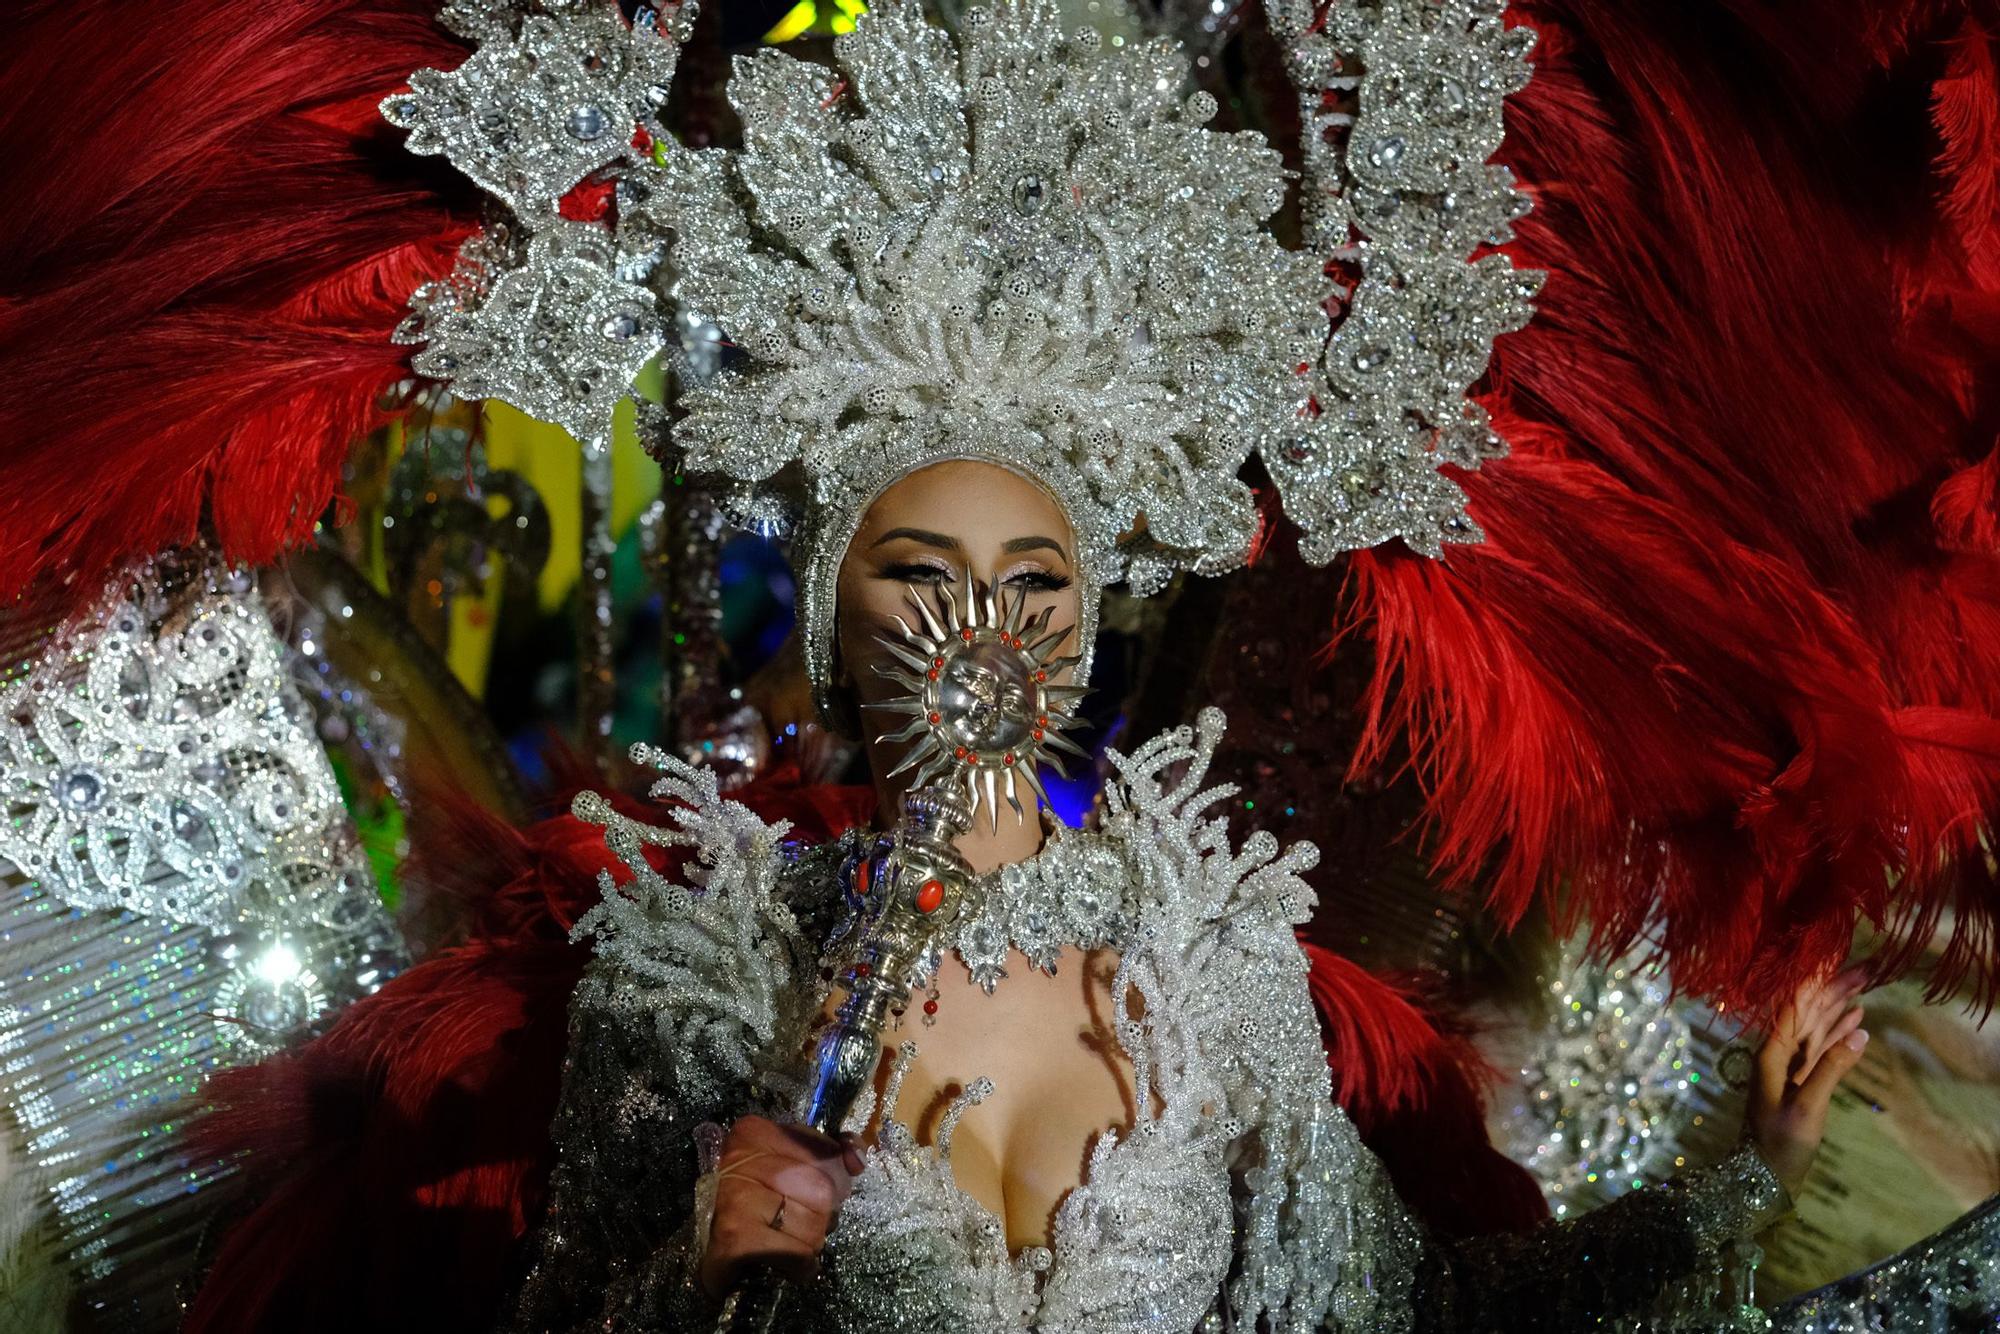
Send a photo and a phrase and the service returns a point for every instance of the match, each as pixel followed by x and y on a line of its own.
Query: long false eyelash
pixel 913 572
pixel 917 572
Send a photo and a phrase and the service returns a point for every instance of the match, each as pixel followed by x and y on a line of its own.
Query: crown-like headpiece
pixel 1015 245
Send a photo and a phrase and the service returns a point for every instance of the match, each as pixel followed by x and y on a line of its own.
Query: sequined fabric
pixel 1242 1198
pixel 179 891
pixel 1950 1281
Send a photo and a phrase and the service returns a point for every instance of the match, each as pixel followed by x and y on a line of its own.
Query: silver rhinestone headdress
pixel 1013 245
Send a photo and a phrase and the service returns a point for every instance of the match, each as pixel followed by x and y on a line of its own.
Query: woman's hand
pixel 776 1193
pixel 1816 1042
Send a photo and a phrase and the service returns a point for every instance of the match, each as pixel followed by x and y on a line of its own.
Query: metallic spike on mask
pixel 986 707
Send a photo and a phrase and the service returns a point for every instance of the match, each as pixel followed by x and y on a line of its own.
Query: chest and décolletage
pixel 1048 1043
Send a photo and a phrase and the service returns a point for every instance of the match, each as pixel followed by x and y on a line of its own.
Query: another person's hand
pixel 777 1191
pixel 781 693
pixel 781 690
pixel 1815 1043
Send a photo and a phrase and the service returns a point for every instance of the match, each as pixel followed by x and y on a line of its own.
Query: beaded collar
pixel 1077 891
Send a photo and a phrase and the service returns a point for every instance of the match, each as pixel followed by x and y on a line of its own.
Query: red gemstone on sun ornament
pixel 929 895
pixel 930 1007
pixel 937 662
pixel 1010 758
pixel 862 970
pixel 966 634
pixel 933 673
pixel 959 754
pixel 937 717
pixel 1042 721
pixel 1041 676
pixel 1037 734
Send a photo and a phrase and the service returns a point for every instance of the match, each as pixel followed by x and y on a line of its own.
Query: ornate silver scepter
pixel 985 713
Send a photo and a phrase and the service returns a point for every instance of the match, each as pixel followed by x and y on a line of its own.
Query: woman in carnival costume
pixel 1008 321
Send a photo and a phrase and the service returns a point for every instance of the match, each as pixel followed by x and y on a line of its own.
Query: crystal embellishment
pixel 156 760
pixel 1074 893
pixel 561 336
pixel 1005 243
pixel 539 107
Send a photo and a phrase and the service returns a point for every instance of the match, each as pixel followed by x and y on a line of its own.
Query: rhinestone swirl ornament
pixel 183 892
pixel 984 699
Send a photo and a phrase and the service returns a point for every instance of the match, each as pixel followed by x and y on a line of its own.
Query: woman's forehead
pixel 969 497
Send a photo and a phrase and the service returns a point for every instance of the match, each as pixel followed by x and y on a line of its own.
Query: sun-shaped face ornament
pixel 982 696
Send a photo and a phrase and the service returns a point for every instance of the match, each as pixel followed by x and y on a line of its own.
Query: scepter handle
pixel 913 891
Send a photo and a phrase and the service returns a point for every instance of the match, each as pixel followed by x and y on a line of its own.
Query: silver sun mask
pixel 985 700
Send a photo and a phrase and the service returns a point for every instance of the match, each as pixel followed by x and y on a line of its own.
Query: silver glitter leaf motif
pixel 543 312
pixel 541 105
pixel 560 336
pixel 161 763
pixel 482 20
pixel 1400 186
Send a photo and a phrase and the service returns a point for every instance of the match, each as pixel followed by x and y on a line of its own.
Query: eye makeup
pixel 1032 577
pixel 1035 578
pixel 914 572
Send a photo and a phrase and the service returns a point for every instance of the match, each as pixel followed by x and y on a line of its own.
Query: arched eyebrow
pixel 942 541
pixel 1017 544
pixel 946 542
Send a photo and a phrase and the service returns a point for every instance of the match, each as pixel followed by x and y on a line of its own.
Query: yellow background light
pixel 792 24
pixel 815 16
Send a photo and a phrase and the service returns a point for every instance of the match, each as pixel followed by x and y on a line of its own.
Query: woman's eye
pixel 1040 581
pixel 916 574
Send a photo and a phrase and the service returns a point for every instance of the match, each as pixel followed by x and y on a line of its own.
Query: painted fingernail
pixel 1857 1039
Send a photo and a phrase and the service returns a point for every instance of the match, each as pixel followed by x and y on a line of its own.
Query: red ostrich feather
pixel 1721 670
pixel 209 236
